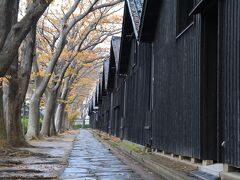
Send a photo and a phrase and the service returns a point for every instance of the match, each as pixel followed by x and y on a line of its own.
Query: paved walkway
pixel 91 160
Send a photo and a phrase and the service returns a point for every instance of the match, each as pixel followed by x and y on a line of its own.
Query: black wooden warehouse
pixel 134 65
pixel 176 86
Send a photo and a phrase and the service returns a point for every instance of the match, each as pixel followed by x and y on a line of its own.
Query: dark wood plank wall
pixel 137 92
pixel 100 114
pixel 229 81
pixel 117 105
pixel 99 120
pixel 106 112
pixel 104 104
pixel 176 113
pixel 143 87
pixel 130 111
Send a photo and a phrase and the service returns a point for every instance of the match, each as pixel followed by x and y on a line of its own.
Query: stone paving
pixel 91 160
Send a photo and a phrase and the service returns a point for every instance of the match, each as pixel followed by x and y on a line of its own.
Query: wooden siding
pixel 229 81
pixel 176 113
pixel 117 106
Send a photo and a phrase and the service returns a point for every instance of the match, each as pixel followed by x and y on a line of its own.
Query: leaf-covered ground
pixel 45 160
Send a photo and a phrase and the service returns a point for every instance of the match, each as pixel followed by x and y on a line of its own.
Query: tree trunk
pixel 59 117
pixel 12 99
pixel 53 131
pixel 17 89
pixel 61 107
pixel 33 122
pixel 3 134
pixel 48 115
pixel 10 41
pixel 5 99
pixel 65 124
pixel 8 9
pixel 13 114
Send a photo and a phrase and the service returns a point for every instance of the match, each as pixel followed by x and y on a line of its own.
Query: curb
pixel 158 169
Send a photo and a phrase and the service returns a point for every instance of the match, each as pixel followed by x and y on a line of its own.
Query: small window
pixel 184 7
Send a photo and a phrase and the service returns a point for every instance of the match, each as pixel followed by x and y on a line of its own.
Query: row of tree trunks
pixel 18 68
pixel 16 90
pixel 12 33
pixel 49 114
pixel 5 24
pixel 10 85
pixel 66 25
pixel 59 117
pixel 33 125
pixel 54 119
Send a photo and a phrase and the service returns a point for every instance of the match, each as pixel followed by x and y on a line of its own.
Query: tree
pixel 12 33
pixel 70 18
pixel 85 54
pixel 78 83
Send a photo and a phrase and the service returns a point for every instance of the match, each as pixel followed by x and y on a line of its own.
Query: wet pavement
pixel 91 160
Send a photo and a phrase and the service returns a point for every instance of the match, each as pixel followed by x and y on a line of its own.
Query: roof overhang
pixel 149 17
pixel 134 15
pixel 113 62
pixel 127 35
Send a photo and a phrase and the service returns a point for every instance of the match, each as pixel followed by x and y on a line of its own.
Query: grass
pixel 78 126
pixel 117 142
pixel 25 123
pixel 131 147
